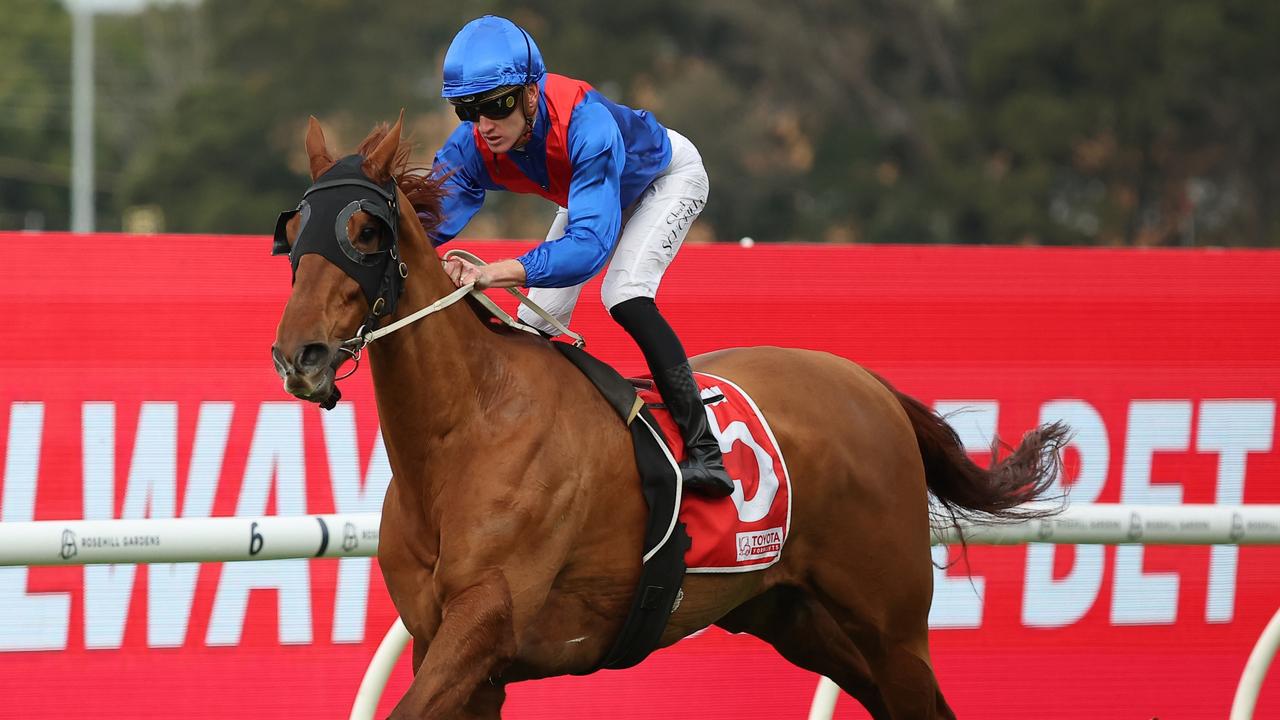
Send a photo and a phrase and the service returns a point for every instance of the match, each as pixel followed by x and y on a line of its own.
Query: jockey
pixel 627 189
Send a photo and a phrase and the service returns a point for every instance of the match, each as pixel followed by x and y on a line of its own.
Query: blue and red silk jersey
pixel 587 153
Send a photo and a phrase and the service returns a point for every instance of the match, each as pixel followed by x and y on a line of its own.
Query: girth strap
pixel 666 540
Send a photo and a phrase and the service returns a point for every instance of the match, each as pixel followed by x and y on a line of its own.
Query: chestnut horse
pixel 512 529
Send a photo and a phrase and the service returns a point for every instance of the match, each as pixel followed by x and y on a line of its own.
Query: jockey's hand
pixel 462 272
pixel 503 274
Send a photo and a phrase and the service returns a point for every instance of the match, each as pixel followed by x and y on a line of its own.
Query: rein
pixel 499 313
pixel 355 346
pixel 363 338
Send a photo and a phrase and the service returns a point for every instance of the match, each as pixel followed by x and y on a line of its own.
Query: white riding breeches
pixel 653 229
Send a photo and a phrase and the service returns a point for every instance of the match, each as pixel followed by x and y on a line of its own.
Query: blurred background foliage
pixel 1111 122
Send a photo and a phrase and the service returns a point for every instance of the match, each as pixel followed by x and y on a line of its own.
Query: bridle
pixel 329 203
pixel 325 209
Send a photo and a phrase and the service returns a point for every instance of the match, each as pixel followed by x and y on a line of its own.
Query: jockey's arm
pixel 465 192
pixel 597 154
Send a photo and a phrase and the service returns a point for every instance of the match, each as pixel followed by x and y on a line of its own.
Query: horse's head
pixel 343 243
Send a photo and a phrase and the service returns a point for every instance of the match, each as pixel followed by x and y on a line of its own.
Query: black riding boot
pixel 703 467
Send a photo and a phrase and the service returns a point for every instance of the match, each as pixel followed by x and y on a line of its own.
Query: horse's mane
pixel 424 189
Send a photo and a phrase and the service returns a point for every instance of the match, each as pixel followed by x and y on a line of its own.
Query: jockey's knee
pixel 639 308
pixel 613 294
pixel 535 321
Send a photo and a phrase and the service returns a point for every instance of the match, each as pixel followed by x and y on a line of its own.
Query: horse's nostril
pixel 313 356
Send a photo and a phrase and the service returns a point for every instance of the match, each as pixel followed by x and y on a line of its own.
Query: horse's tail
pixel 965 490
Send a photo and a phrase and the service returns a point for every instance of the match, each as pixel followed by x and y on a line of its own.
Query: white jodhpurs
pixel 652 231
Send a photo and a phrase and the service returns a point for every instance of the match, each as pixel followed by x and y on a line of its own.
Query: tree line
pixel 1106 122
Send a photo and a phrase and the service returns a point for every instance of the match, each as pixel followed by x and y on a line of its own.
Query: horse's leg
pixel 485 703
pixel 803 631
pixel 880 600
pixel 907 682
pixel 893 637
pixel 419 654
pixel 476 636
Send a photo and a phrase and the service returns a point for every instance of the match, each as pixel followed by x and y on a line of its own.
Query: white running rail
pixel 90 542
pixel 87 542
pixel 84 542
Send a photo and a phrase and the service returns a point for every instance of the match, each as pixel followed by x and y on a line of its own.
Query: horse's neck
pixel 428 374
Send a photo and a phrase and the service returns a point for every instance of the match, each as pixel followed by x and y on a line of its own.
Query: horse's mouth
pixel 315 387
pixel 314 377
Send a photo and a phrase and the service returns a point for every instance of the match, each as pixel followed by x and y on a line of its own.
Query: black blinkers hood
pixel 325 209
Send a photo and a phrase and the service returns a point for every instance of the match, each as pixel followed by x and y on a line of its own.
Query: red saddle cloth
pixel 745 531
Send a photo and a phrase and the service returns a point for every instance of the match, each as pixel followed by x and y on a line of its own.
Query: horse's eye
pixel 368 234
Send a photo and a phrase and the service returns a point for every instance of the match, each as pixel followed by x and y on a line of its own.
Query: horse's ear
pixel 317 153
pixel 379 163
